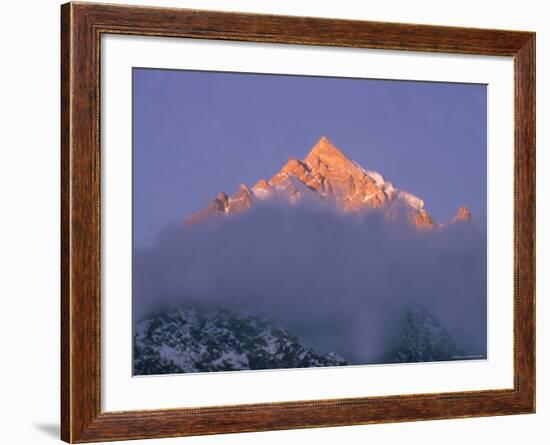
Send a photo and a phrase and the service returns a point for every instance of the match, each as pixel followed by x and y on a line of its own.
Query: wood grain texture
pixel 81 28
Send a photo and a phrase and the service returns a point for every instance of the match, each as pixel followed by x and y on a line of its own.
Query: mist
pixel 339 282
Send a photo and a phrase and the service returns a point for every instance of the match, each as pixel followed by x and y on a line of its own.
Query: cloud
pixel 339 282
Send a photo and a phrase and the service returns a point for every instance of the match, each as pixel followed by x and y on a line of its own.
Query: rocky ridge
pixel 327 173
pixel 187 340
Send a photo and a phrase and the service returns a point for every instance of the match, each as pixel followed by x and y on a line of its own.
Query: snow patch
pixel 369 197
pixel 376 177
pixel 261 193
pixel 411 200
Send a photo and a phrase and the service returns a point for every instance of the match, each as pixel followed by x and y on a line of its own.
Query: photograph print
pixel 284 221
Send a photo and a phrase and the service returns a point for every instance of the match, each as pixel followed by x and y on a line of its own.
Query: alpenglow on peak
pixel 325 173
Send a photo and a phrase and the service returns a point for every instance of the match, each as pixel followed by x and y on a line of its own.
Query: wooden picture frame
pixel 82 25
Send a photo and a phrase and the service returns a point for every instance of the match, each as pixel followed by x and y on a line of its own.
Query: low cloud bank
pixel 341 283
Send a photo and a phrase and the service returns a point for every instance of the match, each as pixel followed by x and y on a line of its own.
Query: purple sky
pixel 198 133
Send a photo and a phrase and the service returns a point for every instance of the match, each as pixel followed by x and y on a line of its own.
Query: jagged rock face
pixel 188 340
pixel 344 180
pixel 327 173
pixel 223 204
pixel 463 215
pixel 423 339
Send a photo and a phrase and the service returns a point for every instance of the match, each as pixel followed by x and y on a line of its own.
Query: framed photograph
pixel 274 222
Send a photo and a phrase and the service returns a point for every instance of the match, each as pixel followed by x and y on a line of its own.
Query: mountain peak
pixel 324 150
pixel 463 214
pixel 328 174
